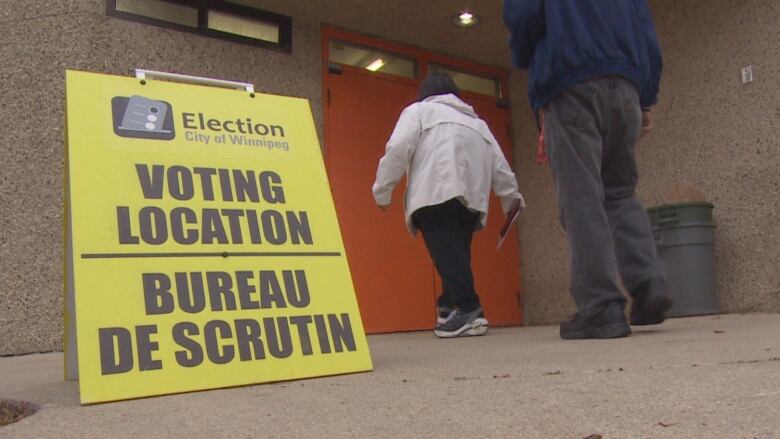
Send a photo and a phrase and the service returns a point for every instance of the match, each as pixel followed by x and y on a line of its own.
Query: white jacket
pixel 447 152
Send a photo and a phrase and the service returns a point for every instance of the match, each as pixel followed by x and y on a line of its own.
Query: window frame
pixel 497 82
pixel 203 7
pixel 413 60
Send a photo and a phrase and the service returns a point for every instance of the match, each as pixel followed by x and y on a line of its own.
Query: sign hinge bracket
pixel 143 74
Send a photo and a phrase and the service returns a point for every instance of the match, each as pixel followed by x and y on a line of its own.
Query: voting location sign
pixel 202 245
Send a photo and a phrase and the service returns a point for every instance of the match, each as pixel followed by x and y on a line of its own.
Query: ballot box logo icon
pixel 143 118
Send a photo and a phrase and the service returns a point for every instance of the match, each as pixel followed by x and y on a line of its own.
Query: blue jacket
pixel 565 42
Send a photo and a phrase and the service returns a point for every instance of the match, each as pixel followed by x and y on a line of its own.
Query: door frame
pixel 422 58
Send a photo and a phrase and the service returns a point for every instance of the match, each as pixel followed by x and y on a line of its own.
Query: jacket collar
pixel 452 101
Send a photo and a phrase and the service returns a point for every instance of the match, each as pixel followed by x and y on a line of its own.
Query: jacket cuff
pixel 508 202
pixel 383 199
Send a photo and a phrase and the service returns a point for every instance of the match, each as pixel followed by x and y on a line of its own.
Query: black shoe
pixel 649 306
pixel 609 323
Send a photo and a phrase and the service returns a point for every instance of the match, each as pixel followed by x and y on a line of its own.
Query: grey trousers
pixel 591 132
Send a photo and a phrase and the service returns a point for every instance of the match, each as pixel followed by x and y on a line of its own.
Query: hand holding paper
pixel 511 219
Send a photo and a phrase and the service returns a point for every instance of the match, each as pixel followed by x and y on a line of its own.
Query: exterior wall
pixel 721 137
pixel 712 135
pixel 41 40
pixel 543 250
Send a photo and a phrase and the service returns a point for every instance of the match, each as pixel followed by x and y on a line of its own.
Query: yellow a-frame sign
pixel 203 248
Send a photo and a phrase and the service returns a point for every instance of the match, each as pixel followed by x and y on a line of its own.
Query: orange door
pixel 395 281
pixel 392 273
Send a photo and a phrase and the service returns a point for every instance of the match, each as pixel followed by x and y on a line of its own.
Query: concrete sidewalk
pixel 706 377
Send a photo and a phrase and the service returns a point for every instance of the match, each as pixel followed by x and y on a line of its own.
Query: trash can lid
pixel 681 214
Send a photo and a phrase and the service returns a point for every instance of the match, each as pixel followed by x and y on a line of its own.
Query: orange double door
pixel 395 280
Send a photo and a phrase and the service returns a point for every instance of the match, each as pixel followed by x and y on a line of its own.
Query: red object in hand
pixel 541 148
pixel 511 218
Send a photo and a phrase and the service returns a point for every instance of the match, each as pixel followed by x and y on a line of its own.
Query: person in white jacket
pixel 451 160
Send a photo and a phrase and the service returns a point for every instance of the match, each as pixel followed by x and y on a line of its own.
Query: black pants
pixel 447 229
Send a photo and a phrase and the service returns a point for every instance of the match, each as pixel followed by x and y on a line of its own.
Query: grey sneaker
pixel 460 324
pixel 442 314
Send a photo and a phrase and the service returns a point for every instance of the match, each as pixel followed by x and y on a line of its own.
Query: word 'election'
pixel 184 225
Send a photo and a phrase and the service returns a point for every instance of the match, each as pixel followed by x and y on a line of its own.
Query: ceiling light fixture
pixel 376 64
pixel 466 19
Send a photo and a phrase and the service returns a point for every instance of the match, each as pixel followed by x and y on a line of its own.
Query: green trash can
pixel 685 237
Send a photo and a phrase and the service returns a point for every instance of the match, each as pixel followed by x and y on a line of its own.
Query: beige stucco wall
pixel 40 39
pixel 722 137
pixel 543 252
pixel 711 134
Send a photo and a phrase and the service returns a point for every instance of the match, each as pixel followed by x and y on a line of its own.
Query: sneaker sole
pixel 476 327
pixel 653 313
pixel 603 332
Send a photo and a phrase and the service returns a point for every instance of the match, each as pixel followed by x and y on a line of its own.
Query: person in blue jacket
pixel 594 68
